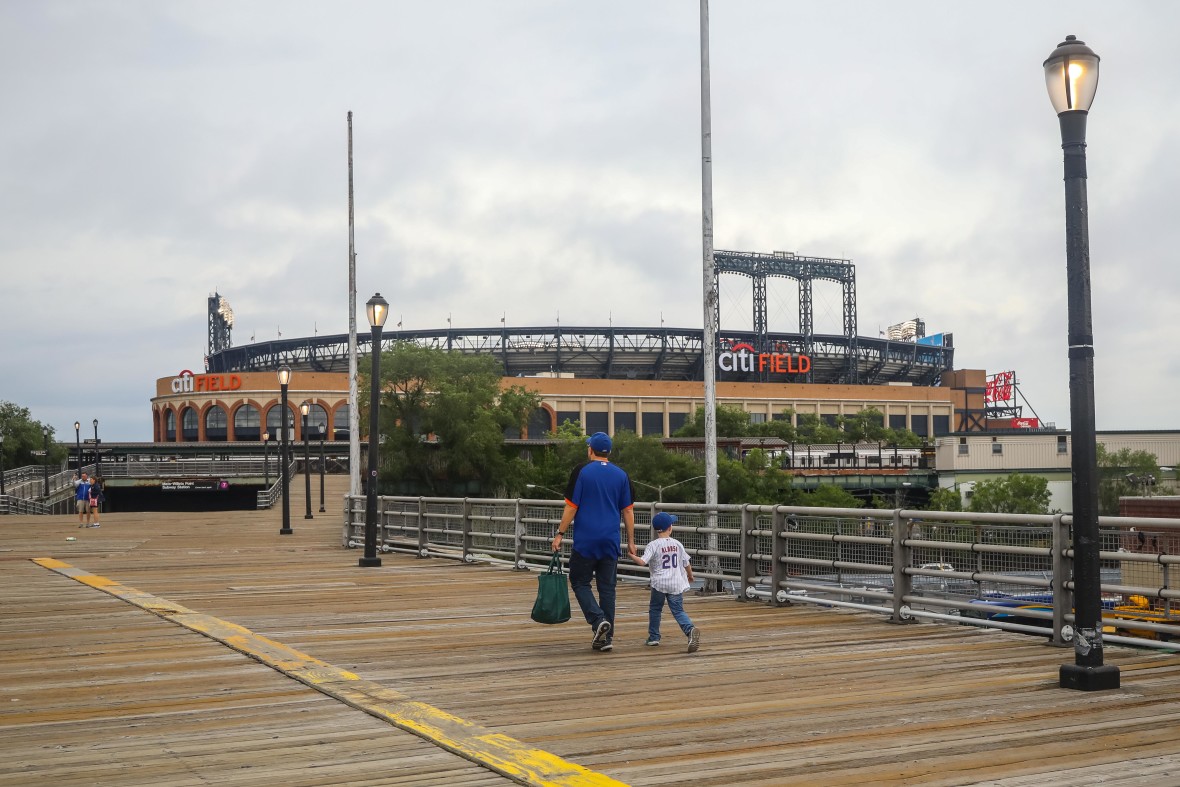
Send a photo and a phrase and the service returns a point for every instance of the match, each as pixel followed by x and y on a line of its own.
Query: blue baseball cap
pixel 662 521
pixel 599 442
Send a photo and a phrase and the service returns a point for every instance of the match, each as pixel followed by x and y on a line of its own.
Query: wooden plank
pixel 797 695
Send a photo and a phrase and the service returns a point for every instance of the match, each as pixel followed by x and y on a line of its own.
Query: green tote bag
pixel 553 599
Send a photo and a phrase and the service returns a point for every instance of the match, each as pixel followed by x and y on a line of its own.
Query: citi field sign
pixel 742 358
pixel 187 382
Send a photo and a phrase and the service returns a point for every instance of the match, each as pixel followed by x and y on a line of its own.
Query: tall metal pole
pixel 45 464
pixel 265 460
pixel 354 422
pixel 709 286
pixel 2 465
pixel 1074 63
pixel 285 461
pixel 370 559
pixel 78 445
pixel 322 509
pixel 303 408
pixel 97 453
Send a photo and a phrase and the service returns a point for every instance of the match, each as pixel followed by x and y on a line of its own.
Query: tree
pixel 831 496
pixel 23 436
pixel 731 422
pixel 1113 469
pixel 443 417
pixel 944 499
pixel 1016 493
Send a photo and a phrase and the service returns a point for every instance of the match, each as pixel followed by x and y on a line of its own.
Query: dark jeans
pixel 655 609
pixel 604 571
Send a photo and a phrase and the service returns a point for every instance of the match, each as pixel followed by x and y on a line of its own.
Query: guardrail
pixel 18 505
pixel 1010 572
pixel 267 497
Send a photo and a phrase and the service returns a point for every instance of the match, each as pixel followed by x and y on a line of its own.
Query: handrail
pixel 993 570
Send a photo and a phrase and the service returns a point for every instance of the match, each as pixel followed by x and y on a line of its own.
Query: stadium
pixel 645 379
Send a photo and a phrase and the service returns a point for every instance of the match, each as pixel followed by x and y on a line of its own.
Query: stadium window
pixel 1062 446
pixel 573 416
pixel 898 422
pixel 919 426
pixel 247 423
pixel 829 418
pixel 624 421
pixel 675 421
pixel 596 422
pixel 188 425
pixel 215 424
pixel 340 428
pixel 757 418
pixel 653 424
pixel 942 425
pixel 170 425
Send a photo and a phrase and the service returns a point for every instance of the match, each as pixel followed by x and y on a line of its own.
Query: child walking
pixel 671 574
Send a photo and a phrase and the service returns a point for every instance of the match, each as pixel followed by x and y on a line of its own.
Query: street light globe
pixel 284 375
pixel 77 426
pixel 95 423
pixel 377 309
pixel 305 407
pixel 1071 75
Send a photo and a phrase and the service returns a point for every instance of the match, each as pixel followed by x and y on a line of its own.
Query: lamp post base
pixel 369 562
pixel 1101 678
pixel 308 516
pixel 285 531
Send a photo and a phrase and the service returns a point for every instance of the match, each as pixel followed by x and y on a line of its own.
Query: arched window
pixel 340 423
pixel 247 423
pixel 540 423
pixel 274 421
pixel 216 424
pixel 317 423
pixel 188 425
pixel 170 425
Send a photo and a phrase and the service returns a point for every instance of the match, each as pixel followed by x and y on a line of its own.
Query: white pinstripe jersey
pixel 666 558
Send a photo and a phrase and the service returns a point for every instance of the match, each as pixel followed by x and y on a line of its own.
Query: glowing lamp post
pixel 1071 75
pixel 265 460
pixel 377 309
pixel 45 464
pixel 284 451
pixel 78 445
pixel 1 464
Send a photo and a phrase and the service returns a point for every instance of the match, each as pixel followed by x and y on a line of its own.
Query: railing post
pixel 468 541
pixel 749 547
pixel 423 540
pixel 1062 599
pixel 778 551
pixel 903 583
pixel 520 530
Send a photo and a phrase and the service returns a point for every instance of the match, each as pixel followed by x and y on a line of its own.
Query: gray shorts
pixel 82 505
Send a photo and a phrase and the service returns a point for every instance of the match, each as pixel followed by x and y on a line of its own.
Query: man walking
pixel 598 494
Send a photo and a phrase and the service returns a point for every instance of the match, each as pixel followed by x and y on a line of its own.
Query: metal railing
pixel 1011 572
pixel 18 505
pixel 267 497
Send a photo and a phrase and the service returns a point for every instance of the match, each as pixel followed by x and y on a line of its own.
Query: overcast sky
pixel 536 158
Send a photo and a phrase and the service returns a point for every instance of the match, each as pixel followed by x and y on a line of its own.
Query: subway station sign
pixel 742 358
pixel 187 382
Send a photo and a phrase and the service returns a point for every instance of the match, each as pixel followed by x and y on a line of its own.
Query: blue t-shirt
pixel 82 490
pixel 601 492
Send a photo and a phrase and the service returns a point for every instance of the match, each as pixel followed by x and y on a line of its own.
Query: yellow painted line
pixel 500 753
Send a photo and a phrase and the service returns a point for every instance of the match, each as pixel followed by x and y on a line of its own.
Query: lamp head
pixel 1071 75
pixel 95 423
pixel 284 375
pixel 265 436
pixel 377 309
pixel 77 426
pixel 305 407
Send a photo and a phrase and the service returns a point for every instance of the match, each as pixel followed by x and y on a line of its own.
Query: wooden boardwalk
pixel 96 690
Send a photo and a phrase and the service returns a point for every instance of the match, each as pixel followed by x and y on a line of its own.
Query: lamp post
pixel 45 464
pixel 97 453
pixel 377 310
pixel 322 469
pixel 1 464
pixel 1071 76
pixel 546 488
pixel 660 489
pixel 78 445
pixel 304 409
pixel 284 462
pixel 265 460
